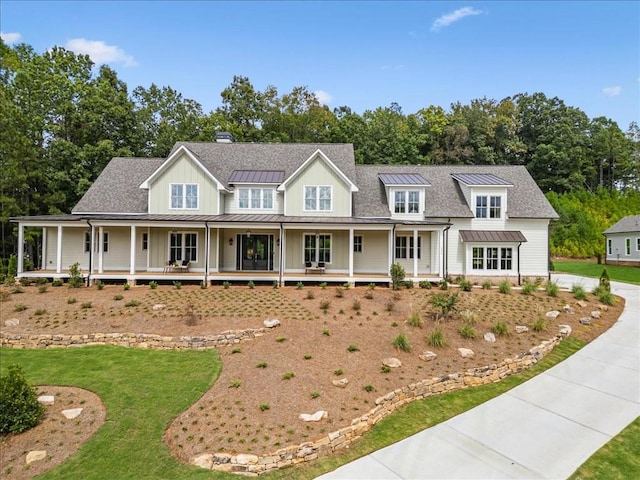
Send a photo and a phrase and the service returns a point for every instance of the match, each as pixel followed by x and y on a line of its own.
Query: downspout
pixel 207 242
pixel 445 260
pixel 281 259
pixel 91 234
pixel 519 278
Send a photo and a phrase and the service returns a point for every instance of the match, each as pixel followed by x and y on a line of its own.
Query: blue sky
pixel 360 54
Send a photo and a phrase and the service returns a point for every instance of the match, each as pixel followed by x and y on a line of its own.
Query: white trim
pixel 184 197
pixel 317 235
pixel 317 209
pixel 318 153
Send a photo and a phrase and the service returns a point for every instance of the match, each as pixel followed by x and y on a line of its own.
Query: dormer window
pixel 488 206
pixel 184 196
pixel 407 201
pixel 255 198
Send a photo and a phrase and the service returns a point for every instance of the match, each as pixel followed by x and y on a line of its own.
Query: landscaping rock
pixel 342 383
pixel 427 356
pixel 271 322
pixel 159 306
pixel 553 314
pixel 595 314
pixel 35 455
pixel 490 337
pixel 315 417
pixel 246 459
pixel 582 303
pixel 565 330
pixel 46 399
pixel 603 308
pixel 221 458
pixel 12 322
pixel 585 321
pixel 521 328
pixel 465 352
pixel 392 362
pixel 568 309
pixel 203 461
pixel 72 413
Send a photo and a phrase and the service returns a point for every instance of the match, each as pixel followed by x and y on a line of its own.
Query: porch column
pixel 391 247
pixel 59 251
pixel 217 268
pixel 100 248
pixel 351 252
pixel 283 252
pixel 43 266
pixel 132 266
pixel 415 252
pixel 20 248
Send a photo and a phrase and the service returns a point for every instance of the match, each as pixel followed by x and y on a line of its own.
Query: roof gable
pixel 626 224
pixel 318 154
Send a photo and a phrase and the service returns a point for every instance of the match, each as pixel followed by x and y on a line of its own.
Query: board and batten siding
pixel 318 173
pixel 185 171
pixel 424 262
pixel 375 252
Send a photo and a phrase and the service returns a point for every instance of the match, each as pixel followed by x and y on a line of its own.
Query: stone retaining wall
pixel 139 340
pixel 253 465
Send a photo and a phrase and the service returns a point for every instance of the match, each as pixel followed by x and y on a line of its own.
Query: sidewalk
pixel 543 429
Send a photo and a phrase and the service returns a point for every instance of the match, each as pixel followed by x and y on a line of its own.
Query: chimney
pixel 224 137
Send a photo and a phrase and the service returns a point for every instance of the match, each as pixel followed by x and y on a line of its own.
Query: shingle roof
pixel 402 179
pixel 480 179
pixel 257 176
pixel 627 224
pixel 444 198
pixel 492 236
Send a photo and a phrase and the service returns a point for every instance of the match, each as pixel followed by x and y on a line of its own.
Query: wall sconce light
pixel 248 233
pixel 231 242
pixel 277 242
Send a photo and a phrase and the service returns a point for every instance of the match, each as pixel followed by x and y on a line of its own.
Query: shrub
pixel 299 286
pixel 605 281
pixel 75 276
pixel 19 406
pixel 324 305
pixel 437 339
pixel 323 285
pixel 552 289
pixel 500 328
pixel 443 284
pixel 401 342
pixel 368 295
pixel 352 348
pixel 310 295
pixel 486 285
pixel 99 285
pixel 117 297
pixel 338 372
pixel 315 394
pixel 225 284
pixel 579 292
pixel 234 384
pixel 539 325
pixel 203 285
pixel 469 317
pixel 339 292
pixel 407 284
pixel 264 407
pixel 132 303
pixel 17 289
pixel 20 307
pixel 445 302
pixel 288 375
pixel 356 304
pixel 12 269
pixel 326 332
pixel 368 388
pixel 465 285
pixel 389 306
pixel 385 369
pixel 236 350
pixel 25 281
pixel 528 288
pixel 467 331
pixel 42 288
pixel 426 284
pixel 153 285
pixel 177 285
pixel 261 365
pixel 86 305
pixel 126 286
pixel 372 286
pixel 346 285
pixel 307 356
pixel 71 300
pixel 397 275
pixel 504 287
pixel 414 320
pixel 57 283
pixel 607 298
pixel 280 339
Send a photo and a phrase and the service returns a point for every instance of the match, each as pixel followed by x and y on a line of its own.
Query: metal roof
pixel 403 179
pixel 257 176
pixel 492 236
pixel 480 179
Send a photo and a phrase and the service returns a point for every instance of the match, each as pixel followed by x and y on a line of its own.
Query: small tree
pixel 397 276
pixel 75 276
pixel 445 302
pixel 605 281
pixel 19 406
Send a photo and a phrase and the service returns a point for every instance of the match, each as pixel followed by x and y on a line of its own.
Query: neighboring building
pixel 277 212
pixel 623 242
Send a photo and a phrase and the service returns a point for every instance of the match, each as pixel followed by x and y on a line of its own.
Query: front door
pixel 255 252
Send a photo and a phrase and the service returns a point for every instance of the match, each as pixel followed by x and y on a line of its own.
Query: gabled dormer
pixel 183 186
pixel 406 194
pixel 318 188
pixel 485 193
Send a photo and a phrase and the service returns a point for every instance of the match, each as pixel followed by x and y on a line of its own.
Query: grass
pixel 143 390
pixel 587 269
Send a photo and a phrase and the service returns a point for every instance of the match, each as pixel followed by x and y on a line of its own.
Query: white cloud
pixel 10 37
pixel 100 52
pixel 612 91
pixel 449 18
pixel 323 97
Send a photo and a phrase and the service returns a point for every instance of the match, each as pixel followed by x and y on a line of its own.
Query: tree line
pixel 62 118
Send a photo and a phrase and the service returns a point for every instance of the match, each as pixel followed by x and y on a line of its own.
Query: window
pixel 357 243
pixel 404 247
pixel 105 242
pixel 184 196
pixel 183 246
pixel 256 198
pixel 638 244
pixel 87 242
pixel 492 258
pixel 488 207
pixel 406 201
pixel 627 246
pixel 145 241
pixel 317 248
pixel 609 246
pixel 317 198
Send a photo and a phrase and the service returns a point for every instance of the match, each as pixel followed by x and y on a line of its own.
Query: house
pixel 225 211
pixel 623 242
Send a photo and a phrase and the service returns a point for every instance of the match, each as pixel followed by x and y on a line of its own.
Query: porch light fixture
pixel 277 242
pixel 231 241
pixel 248 233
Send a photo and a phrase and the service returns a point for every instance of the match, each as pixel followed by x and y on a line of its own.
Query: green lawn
pixel 144 390
pixel 592 269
